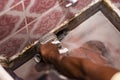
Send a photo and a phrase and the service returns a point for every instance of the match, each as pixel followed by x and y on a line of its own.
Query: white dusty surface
pixel 99 28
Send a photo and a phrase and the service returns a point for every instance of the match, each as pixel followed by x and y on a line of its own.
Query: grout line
pixel 28 33
pixel 9 3
pixel 5 11
pixel 8 37
pixel 2 41
pixel 39 19
pixel 49 10
pixel 25 17
pixel 32 2
pixel 42 15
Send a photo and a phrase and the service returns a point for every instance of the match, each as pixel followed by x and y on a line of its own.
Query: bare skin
pixel 76 68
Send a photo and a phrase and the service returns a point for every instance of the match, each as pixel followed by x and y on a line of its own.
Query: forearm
pixel 74 65
pixel 97 72
pixel 76 68
pixel 69 66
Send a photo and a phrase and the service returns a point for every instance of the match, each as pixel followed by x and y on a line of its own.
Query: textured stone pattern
pixel 24 21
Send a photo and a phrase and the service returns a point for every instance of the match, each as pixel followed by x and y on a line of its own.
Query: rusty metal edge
pixel 111 12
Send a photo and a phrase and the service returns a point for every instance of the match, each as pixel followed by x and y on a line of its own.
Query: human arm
pixel 76 68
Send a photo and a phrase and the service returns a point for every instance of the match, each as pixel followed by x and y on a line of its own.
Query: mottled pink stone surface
pixel 32 18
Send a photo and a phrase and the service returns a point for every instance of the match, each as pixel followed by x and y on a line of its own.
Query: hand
pixel 76 68
pixel 49 51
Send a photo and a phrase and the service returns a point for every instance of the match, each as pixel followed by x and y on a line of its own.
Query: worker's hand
pixel 76 68
pixel 49 51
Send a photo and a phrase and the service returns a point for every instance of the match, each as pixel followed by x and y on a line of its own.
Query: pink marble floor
pixel 28 20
